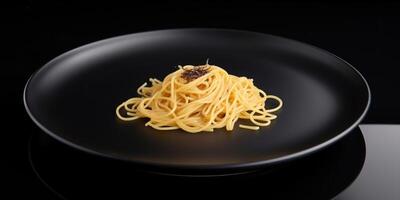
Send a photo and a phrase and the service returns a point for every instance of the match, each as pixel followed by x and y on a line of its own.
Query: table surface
pixel 380 175
pixel 364 34
pixel 363 165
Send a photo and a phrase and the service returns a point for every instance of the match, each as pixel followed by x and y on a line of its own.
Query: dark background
pixel 364 34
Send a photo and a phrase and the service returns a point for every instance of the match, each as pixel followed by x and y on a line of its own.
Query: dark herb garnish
pixel 195 72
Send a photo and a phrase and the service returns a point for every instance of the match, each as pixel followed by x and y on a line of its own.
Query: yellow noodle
pixel 249 127
pixel 213 100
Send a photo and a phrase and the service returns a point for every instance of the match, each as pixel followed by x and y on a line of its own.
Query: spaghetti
pixel 199 98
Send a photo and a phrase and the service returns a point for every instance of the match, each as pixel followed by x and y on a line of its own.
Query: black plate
pixel 73 98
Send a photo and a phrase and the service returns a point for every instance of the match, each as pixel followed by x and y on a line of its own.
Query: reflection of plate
pixel 76 174
pixel 73 98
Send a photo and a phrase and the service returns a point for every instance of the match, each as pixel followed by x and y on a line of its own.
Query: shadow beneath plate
pixel 74 174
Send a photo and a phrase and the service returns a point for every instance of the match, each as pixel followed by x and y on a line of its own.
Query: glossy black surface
pixel 73 98
pixel 72 174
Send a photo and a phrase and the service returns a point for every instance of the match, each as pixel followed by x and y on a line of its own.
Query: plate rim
pixel 259 163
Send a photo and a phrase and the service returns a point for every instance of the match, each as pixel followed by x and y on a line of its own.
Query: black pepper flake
pixel 195 72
